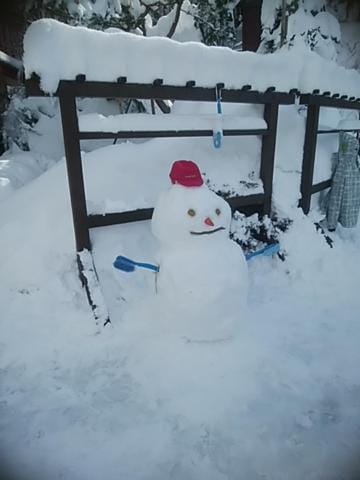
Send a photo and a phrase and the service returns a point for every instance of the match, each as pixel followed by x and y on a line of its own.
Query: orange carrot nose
pixel 209 222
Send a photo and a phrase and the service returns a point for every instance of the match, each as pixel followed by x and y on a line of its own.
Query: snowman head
pixel 189 211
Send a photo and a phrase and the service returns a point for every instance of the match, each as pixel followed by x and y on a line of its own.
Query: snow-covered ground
pixel 138 400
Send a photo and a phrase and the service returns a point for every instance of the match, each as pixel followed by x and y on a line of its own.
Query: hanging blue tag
pixel 217 137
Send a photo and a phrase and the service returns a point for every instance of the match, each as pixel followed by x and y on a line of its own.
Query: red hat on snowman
pixel 186 173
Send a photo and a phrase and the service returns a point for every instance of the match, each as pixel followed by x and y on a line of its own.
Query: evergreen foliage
pixel 215 21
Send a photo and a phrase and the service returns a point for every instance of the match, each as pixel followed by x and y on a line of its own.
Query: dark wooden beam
pixel 256 199
pixel 163 106
pixel 74 167
pixel 11 69
pixel 90 281
pixel 167 134
pixel 326 101
pixel 318 187
pixel 337 130
pixel 119 217
pixel 312 123
pixel 268 153
pixel 162 92
pixel 241 203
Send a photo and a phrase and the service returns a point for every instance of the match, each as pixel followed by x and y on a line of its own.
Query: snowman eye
pixel 218 211
pixel 191 212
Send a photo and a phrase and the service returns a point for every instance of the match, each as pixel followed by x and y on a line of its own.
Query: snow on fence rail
pixel 103 56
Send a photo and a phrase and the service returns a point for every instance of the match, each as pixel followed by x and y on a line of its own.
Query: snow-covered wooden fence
pixel 69 90
pixel 314 102
pixel 91 63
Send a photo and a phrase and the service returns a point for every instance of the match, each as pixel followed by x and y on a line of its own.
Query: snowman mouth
pixel 208 232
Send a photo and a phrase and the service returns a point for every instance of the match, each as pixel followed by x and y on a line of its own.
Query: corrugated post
pixel 312 125
pixel 70 127
pixel 271 111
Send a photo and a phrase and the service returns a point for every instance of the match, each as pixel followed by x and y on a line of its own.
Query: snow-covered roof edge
pixel 56 51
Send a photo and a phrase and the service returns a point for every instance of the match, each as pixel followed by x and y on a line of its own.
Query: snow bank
pixel 349 125
pixel 18 168
pixel 133 174
pixel 104 56
pixel 281 401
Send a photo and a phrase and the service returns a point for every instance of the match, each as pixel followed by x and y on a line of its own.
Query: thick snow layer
pixel 116 123
pixel 301 22
pixel 77 50
pixel 279 401
pixel 289 153
pixel 349 124
pixel 133 174
pixel 17 168
pixel 325 24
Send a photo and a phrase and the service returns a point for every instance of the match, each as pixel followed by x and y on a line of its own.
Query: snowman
pixel 202 271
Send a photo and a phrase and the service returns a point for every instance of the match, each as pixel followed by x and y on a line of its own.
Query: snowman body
pixel 202 270
pixel 208 274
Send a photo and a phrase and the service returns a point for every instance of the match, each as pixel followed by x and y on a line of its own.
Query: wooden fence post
pixel 70 127
pixel 312 125
pixel 271 111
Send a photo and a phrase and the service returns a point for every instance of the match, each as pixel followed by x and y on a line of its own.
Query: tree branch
pixel 176 18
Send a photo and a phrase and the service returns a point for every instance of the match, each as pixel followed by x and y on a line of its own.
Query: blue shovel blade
pixel 267 251
pixel 124 264
pixel 127 265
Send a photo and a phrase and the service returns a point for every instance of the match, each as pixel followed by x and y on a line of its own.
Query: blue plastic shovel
pixel 127 265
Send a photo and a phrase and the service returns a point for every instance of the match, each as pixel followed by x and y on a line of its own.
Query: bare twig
pixel 176 18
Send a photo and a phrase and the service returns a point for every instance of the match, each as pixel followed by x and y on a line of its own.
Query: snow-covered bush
pixel 309 20
pixel 18 119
